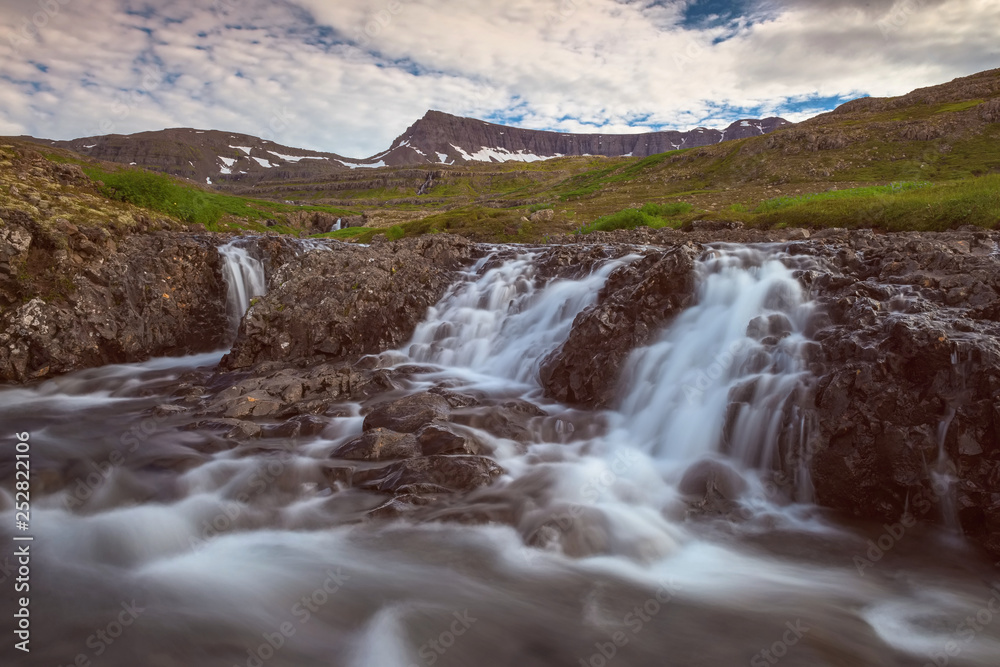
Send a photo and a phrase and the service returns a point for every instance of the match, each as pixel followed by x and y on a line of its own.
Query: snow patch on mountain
pixel 374 165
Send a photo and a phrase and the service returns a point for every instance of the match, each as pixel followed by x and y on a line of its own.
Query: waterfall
pixel 244 276
pixel 501 323
pixel 729 374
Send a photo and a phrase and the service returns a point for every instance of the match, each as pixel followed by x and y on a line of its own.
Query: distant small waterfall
pixel 244 276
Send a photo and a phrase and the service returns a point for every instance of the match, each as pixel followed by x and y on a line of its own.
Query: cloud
pixel 348 76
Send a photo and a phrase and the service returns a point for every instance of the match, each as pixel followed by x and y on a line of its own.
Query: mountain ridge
pixel 213 157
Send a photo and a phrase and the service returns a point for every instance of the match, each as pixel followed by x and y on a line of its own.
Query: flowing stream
pixel 156 547
pixel 245 281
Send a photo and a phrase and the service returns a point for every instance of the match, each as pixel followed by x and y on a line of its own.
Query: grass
pixel 852 170
pixel 915 113
pixel 779 203
pixel 650 215
pixel 159 192
pixel 939 207
pixel 590 182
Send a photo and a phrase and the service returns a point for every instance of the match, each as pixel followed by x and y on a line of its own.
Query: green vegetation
pixel 590 182
pixel 650 215
pixel 974 201
pixel 779 203
pixel 159 192
pixel 926 111
pixel 920 162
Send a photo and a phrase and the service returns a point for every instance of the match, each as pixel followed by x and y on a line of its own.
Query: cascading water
pixel 244 276
pixel 501 323
pixel 244 553
pixel 729 375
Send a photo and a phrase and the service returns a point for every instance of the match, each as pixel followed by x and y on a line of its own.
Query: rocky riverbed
pixel 745 376
pixel 905 354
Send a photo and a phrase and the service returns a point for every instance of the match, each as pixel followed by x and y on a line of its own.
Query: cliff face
pixel 441 138
pixel 213 157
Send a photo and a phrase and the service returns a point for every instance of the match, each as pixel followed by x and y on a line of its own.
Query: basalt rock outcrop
pixel 635 303
pixel 348 302
pixel 908 398
pixel 85 297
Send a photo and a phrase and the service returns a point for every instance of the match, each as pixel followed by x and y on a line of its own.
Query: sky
pixel 348 76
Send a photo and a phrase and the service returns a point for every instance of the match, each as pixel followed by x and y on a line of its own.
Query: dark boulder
pixel 409 413
pixel 379 444
pixel 100 301
pixel 453 473
pixel 636 302
pixel 348 302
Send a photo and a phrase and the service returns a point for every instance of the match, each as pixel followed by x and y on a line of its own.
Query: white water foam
pixel 503 323
pixel 244 276
pixel 728 376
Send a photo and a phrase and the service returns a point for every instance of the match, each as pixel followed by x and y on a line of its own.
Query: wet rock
pixel 454 473
pixel 233 429
pixel 712 487
pixel 300 426
pixel 351 301
pixel 168 409
pixel 257 404
pixel 337 475
pixel 379 444
pixel 409 413
pixel 508 420
pixel 909 371
pixel 120 301
pixel 636 302
pixel 442 438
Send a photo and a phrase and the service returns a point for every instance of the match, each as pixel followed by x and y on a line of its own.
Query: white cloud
pixel 348 76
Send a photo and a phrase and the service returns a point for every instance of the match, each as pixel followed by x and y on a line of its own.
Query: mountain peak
pixel 443 138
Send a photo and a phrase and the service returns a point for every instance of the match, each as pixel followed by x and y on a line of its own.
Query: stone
pixel 454 473
pixel 409 413
pixel 379 444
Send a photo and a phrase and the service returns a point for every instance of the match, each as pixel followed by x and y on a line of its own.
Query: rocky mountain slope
pixel 230 159
pixel 442 138
pixel 207 156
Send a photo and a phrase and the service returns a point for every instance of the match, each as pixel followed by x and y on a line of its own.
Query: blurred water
pixel 585 553
pixel 244 276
